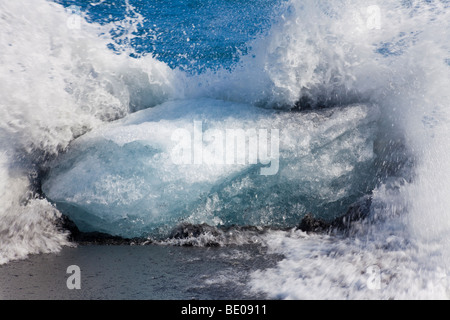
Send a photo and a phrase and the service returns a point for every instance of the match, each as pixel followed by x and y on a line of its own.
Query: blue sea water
pixel 97 95
pixel 189 35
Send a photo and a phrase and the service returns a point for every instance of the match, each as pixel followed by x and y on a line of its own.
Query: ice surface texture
pixel 131 178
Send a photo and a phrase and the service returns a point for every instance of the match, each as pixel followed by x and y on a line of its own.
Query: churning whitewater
pixel 351 98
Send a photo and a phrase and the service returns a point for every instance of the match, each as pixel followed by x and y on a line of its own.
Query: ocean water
pixel 351 97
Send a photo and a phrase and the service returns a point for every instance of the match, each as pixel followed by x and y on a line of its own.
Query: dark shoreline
pixel 114 268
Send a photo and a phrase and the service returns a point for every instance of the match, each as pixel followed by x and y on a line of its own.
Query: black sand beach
pixel 151 272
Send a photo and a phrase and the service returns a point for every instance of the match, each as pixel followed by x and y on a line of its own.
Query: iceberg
pixel 216 162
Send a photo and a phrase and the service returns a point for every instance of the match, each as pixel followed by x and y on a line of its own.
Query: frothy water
pixel 60 79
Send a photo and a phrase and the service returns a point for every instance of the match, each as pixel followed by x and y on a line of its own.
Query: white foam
pixel 58 83
pixel 407 240
pixel 323 267
pixel 58 80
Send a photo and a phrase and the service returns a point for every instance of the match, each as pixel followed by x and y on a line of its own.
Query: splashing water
pixel 57 83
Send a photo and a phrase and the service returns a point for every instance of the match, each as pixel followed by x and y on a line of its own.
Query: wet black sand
pixel 150 272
